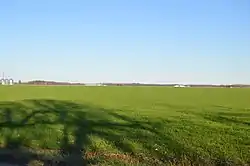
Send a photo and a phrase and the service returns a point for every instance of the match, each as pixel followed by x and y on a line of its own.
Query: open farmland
pixel 124 125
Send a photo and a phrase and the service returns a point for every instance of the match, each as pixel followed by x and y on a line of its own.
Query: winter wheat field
pixel 79 125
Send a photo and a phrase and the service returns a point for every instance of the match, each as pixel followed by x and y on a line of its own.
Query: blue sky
pixel 171 41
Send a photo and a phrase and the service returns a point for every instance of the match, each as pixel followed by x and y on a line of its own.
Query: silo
pixel 6 81
pixel 11 81
pixel 2 81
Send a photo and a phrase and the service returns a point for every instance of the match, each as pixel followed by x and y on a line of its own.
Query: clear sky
pixel 156 41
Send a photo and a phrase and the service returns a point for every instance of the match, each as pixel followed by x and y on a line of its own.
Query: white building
pixel 11 81
pixel 180 86
pixel 7 81
pixel 2 82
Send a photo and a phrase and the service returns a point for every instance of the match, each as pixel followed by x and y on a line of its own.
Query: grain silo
pixel 11 81
pixel 2 81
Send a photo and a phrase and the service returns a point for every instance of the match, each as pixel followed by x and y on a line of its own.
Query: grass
pixel 124 125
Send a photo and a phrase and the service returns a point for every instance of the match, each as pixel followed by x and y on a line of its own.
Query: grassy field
pixel 125 125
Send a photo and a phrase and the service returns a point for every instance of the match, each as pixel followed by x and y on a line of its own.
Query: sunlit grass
pixel 148 124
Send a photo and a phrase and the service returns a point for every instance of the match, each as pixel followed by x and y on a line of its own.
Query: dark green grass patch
pixel 125 125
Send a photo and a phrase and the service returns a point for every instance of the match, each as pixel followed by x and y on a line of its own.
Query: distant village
pixel 10 81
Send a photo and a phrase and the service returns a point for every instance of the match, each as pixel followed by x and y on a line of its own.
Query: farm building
pixel 7 81
pixel 180 86
pixel 2 81
pixel 11 81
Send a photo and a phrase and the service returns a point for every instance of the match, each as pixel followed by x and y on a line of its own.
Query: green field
pixel 126 125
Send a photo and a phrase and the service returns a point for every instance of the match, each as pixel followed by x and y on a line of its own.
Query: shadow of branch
pixel 77 122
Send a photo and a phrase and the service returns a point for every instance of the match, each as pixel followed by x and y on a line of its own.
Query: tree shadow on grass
pixel 215 113
pixel 226 120
pixel 62 130
pixel 228 116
